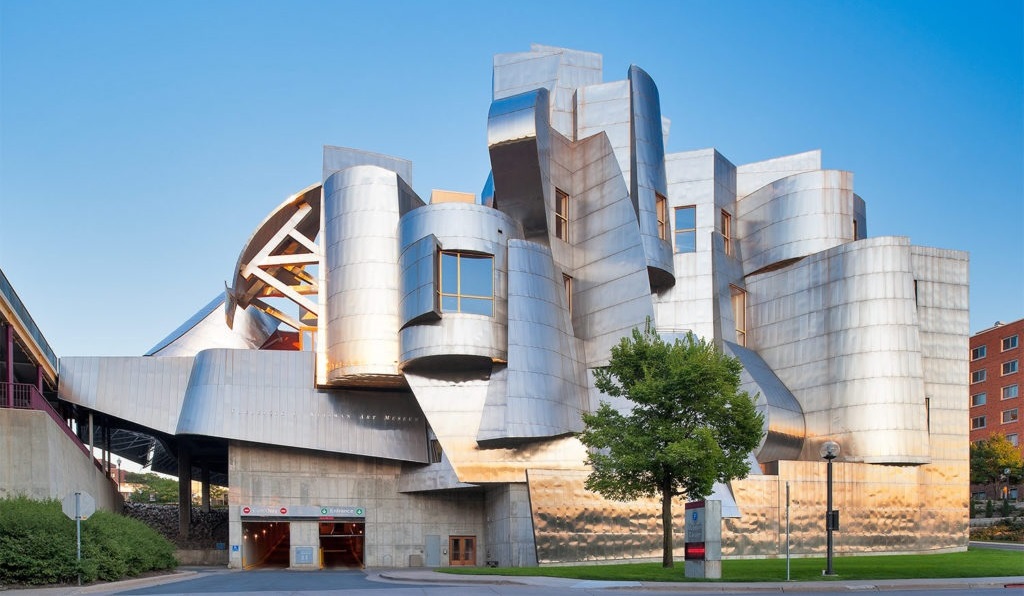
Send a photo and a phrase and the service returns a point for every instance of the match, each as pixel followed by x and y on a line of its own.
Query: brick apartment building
pixel 996 383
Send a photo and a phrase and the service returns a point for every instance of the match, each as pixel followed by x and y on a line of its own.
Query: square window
pixel 1010 367
pixel 686 229
pixel 978 352
pixel 1010 391
pixel 978 399
pixel 978 376
pixel 977 422
pixel 1009 416
pixel 1009 343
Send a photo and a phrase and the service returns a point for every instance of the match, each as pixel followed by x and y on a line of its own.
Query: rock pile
pixel 208 528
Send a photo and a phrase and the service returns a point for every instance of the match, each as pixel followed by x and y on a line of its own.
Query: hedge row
pixel 37 545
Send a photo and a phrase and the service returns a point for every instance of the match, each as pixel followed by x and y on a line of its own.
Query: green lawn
pixel 973 563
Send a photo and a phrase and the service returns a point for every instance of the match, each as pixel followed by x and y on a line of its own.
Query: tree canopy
pixel 992 457
pixel 690 426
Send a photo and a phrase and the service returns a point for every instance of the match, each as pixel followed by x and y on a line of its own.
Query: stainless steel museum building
pixel 446 347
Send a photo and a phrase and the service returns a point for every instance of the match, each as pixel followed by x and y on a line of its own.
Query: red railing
pixel 23 396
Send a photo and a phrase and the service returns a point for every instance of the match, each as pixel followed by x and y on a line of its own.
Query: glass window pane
pixel 449 273
pixel 686 242
pixel 477 306
pixel 686 218
pixel 477 278
pixel 449 304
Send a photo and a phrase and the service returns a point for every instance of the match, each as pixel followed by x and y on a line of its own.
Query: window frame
pixel 458 294
pixel 983 395
pixel 1014 439
pixel 1006 341
pixel 1014 416
pixel 726 224
pixel 561 215
pixel 1005 389
pixel 1014 364
pixel 567 287
pixel 681 231
pixel 661 215
pixel 975 378
pixel 739 314
pixel 979 422
pixel 979 352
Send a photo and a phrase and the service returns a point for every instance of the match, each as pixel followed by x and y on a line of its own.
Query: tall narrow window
pixel 686 229
pixel 567 283
pixel 739 313
pixel 854 229
pixel 661 210
pixel 467 283
pixel 727 231
pixel 561 214
pixel 928 413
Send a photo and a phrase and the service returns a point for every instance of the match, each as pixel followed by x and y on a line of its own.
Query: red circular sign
pixel 246 510
pixel 284 510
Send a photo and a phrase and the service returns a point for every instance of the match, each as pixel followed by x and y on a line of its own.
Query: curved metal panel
pixel 784 426
pixel 459 227
pixel 518 142
pixel 268 397
pixel 418 270
pixel 546 390
pixel 208 329
pixel 647 166
pixel 795 217
pixel 840 330
pixel 361 212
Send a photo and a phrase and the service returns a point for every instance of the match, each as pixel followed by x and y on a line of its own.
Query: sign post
pixel 78 506
pixel 703 539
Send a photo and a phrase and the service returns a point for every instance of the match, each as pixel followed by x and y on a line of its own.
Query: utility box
pixel 703 539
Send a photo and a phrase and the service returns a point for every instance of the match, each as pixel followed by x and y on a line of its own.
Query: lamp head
pixel 829 450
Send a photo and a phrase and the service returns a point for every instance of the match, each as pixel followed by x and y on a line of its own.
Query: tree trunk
pixel 666 526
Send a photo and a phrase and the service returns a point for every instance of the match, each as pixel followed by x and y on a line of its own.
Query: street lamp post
pixel 829 450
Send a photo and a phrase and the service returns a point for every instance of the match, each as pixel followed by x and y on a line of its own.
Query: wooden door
pixel 461 550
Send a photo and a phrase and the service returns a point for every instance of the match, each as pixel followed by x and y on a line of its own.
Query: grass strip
pixel 978 562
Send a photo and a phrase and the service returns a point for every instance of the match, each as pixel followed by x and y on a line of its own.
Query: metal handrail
pixel 25 396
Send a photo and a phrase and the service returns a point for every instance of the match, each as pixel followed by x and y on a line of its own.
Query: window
pixel 686 229
pixel 561 214
pixel 978 376
pixel 977 422
pixel 1009 416
pixel 1013 439
pixel 661 210
pixel 854 229
pixel 978 353
pixel 1009 367
pixel 978 399
pixel 467 283
pixel 727 231
pixel 567 284
pixel 1010 391
pixel 1009 343
pixel 434 454
pixel 739 313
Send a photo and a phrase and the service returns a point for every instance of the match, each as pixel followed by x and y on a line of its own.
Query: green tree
pixel 991 458
pixel 690 425
pixel 163 490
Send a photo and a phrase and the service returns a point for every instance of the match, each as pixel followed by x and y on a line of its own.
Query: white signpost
pixel 703 539
pixel 78 506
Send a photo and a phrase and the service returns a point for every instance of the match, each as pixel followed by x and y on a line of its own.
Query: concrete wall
pixel 38 460
pixel 509 539
pixel 396 523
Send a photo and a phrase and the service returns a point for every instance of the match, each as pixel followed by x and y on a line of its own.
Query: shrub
pixel 37 545
pixel 989 511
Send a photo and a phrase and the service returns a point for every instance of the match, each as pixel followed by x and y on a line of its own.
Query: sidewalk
pixel 427 576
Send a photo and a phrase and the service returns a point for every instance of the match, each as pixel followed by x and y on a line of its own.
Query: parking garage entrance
pixel 341 543
pixel 265 544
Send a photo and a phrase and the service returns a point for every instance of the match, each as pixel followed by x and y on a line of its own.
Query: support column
pixel 39 379
pixel 205 477
pixel 9 377
pixel 184 490
pixel 106 455
pixel 92 436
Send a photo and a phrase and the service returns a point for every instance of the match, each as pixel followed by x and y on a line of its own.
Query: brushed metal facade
pixel 208 329
pixel 843 337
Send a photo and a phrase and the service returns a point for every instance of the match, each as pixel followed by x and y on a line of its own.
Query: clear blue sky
pixel 142 142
